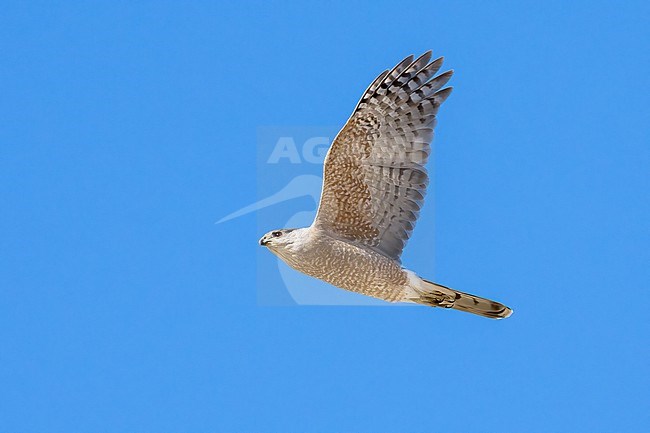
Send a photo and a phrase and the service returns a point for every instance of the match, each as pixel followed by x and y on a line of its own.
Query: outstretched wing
pixel 374 177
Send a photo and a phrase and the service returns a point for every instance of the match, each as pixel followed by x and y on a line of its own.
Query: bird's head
pixel 280 239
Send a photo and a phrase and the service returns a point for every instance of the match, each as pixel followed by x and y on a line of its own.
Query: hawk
pixel 374 185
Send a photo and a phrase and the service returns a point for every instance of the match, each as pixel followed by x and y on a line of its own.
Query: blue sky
pixel 129 128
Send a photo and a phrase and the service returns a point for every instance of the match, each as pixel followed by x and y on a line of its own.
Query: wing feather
pixel 375 178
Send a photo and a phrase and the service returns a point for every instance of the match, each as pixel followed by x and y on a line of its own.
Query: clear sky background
pixel 128 128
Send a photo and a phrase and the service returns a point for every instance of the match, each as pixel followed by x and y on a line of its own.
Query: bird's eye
pixel 276 234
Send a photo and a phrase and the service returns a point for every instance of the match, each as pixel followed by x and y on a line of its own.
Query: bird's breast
pixel 348 266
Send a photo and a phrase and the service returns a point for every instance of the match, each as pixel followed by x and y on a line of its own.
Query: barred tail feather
pixel 436 295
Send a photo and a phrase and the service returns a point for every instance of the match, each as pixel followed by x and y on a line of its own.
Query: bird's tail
pixel 436 295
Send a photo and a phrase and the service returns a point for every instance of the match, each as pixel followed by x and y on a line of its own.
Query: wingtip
pixel 424 59
pixel 441 95
pixel 407 60
pixel 448 74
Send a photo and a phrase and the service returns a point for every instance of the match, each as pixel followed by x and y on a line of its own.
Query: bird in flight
pixel 374 185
